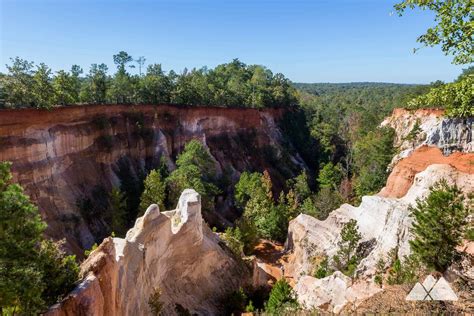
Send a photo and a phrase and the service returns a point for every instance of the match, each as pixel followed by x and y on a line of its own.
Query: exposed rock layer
pixel 171 251
pixel 72 154
pixel 441 149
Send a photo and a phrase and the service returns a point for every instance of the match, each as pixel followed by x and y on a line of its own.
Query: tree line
pixel 233 84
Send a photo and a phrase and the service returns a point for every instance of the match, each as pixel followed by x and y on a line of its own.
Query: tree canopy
pixel 234 84
pixel 454 29
pixel 34 271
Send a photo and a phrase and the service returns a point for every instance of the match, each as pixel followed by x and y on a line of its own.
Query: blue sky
pixel 308 41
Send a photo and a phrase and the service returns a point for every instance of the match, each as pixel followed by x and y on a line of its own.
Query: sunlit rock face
pixel 384 224
pixel 434 129
pixel 172 251
pixel 441 149
pixel 77 153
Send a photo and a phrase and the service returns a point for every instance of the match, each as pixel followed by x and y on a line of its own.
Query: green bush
pixel 322 268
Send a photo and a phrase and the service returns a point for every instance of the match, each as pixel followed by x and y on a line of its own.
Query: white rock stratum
pixel 384 224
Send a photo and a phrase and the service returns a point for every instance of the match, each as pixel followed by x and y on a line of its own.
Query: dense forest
pixel 234 84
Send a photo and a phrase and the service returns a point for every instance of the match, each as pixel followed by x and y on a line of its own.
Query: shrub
pixel 322 269
pixel 154 302
pixel 234 240
pixel 406 271
pixel 88 252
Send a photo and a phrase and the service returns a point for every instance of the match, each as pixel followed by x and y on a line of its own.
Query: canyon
pixel 62 155
pixel 77 154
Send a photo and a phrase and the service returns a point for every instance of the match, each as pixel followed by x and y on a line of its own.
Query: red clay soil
pixel 403 174
pixel 270 254
pixel 419 112
pixel 14 121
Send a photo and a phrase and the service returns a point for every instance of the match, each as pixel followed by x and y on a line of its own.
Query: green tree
pixel 454 27
pixel 196 170
pixel 155 87
pixel 269 219
pixel 299 185
pixel 60 271
pixel 346 259
pixel 34 272
pixel 372 154
pixel 118 212
pixel 18 83
pixel 248 184
pixel 330 176
pixel 20 232
pixel 282 298
pixel 95 87
pixel 457 97
pixel 439 224
pixel 154 192
pixel 43 91
pixel 65 90
pixel 121 60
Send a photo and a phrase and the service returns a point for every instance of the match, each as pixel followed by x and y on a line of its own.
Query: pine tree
pixel 34 272
pixel 281 297
pixel 154 192
pixel 346 259
pixel 118 212
pixel 20 232
pixel 439 223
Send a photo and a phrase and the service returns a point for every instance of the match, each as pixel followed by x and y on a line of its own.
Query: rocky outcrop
pixel 171 251
pixel 425 127
pixel 425 137
pixel 384 224
pixel 403 173
pixel 74 155
pixel 441 148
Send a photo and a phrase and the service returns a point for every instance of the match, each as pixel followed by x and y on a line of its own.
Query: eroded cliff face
pixel 441 149
pixel 76 154
pixel 172 251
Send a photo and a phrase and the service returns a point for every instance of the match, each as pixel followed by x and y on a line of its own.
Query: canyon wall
pixel 75 155
pixel 173 252
pixel 441 148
